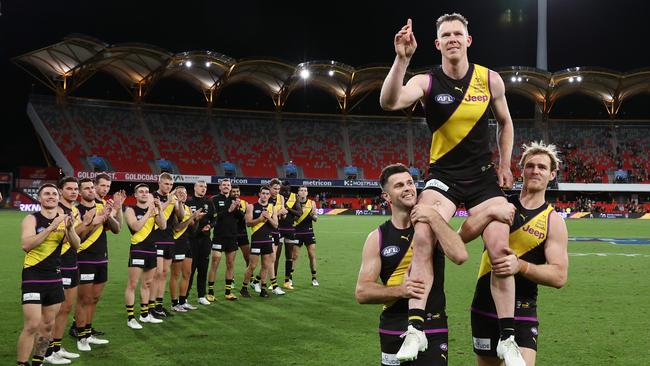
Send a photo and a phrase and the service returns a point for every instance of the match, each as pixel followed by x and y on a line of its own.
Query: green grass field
pixel 599 318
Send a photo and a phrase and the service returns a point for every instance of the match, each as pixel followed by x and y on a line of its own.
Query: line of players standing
pixel 66 250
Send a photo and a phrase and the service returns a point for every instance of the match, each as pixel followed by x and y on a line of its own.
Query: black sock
pixel 57 344
pixel 37 360
pixel 159 303
pixel 313 275
pixel 416 318
pixel 506 328
pixel 80 332
pixel 228 286
pixel 274 283
pixel 88 331
pixel 129 311
pixel 144 310
pixel 257 279
pixel 182 300
pixel 288 268
pixel 50 349
pixel 19 363
pixel 211 288
pixel 174 302
pixel 292 270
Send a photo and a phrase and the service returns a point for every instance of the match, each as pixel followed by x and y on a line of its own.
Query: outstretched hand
pixel 405 43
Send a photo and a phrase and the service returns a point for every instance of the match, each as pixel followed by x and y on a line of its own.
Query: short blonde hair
pixel 537 148
pixel 165 176
pixel 450 18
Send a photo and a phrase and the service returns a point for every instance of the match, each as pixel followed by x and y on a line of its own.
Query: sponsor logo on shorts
pixel 67 281
pixel 482 344
pixel 179 256
pixel 87 276
pixel 160 251
pixel 137 262
pixel 438 184
pixel 444 99
pixel 216 246
pixel 32 296
pixel 256 250
pixel 390 251
pixel 389 359
pixel 444 347
pixel 533 330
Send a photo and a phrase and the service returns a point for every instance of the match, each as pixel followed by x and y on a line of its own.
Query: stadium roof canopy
pixel 66 65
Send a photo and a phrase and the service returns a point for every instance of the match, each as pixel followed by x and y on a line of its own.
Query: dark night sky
pixel 581 33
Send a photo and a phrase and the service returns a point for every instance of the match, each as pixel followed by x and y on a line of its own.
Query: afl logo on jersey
pixel 444 99
pixel 390 251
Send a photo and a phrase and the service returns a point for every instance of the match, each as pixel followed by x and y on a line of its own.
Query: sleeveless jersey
pixel 170 216
pixel 94 248
pixel 41 263
pixel 261 233
pixel 457 114
pixel 304 222
pixel 396 253
pixel 145 234
pixel 241 222
pixel 527 239
pixel 290 202
pixel 184 231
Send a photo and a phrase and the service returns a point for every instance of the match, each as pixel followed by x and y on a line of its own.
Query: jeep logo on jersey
pixel 476 98
pixel 390 251
pixel 444 98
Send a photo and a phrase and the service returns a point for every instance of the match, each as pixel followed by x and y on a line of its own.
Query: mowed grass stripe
pixel 599 317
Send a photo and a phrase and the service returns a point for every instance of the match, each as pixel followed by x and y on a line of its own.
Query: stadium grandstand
pixel 145 138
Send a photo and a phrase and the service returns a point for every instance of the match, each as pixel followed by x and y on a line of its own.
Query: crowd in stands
pixel 588 204
pixel 131 140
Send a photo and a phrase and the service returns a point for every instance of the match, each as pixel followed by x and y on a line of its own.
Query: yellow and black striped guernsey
pixel 261 233
pixel 144 235
pixel 41 264
pixel 527 239
pixel 457 114
pixel 396 252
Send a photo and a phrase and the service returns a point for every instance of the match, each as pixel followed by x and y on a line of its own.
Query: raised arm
pixel 274 218
pixel 71 235
pixel 394 94
pixel 505 130
pixel 368 290
pixel 29 238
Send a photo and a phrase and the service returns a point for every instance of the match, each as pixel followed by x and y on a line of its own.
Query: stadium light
pixel 330 73
pixel 188 63
pixel 519 79
pixel 513 79
pixel 207 64
pixel 304 73
pixel 571 79
pixel 579 78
